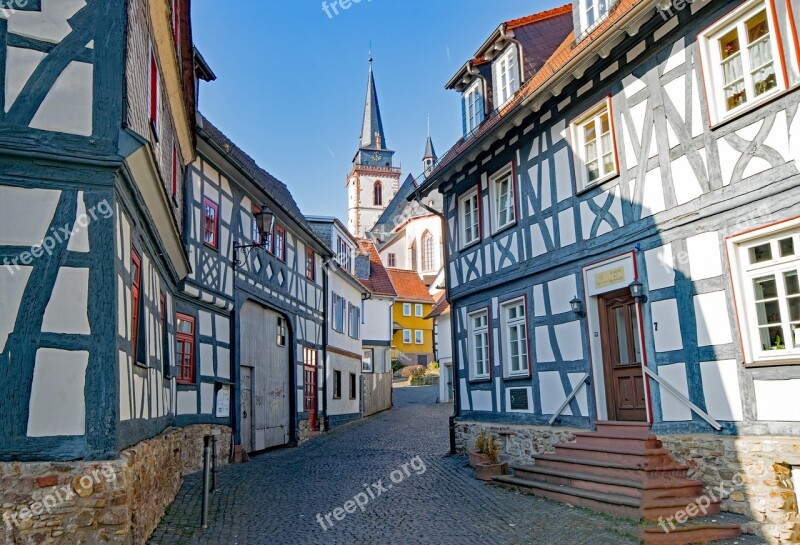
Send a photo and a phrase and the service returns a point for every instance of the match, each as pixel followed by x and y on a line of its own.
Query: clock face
pixel 376 156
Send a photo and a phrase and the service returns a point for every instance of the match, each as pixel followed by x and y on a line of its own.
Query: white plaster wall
pixel 67 310
pixel 482 400
pixel 377 319
pixel 26 215
pixel 672 409
pixel 338 284
pixel 778 400
pixel 12 288
pixel 345 405
pixel 721 389
pixel 57 403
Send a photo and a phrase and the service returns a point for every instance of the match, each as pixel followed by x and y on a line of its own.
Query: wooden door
pixel 267 353
pixel 622 357
pixel 311 396
pixel 247 409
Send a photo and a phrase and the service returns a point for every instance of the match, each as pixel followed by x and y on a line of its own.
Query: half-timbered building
pixel 622 240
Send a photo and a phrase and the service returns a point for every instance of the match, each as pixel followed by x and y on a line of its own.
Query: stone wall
pixel 522 443
pixel 119 501
pixel 751 476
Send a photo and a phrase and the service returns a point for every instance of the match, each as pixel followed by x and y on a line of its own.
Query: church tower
pixel 374 180
pixel 429 159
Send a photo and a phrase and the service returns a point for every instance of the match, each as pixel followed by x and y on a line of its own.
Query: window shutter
pixel 514 68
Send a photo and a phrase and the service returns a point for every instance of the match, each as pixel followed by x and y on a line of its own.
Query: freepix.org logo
pixel 332 9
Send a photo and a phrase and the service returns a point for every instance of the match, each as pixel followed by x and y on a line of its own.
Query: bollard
pixel 206 480
pixel 213 463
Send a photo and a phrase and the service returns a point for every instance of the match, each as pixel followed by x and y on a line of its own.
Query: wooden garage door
pixel 270 384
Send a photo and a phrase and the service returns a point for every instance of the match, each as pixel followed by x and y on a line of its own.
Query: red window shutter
pixel 154 90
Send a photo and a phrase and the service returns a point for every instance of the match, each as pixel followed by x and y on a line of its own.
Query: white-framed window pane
pixel 406 309
pixel 470 219
pixel 407 336
pixel 759 49
pixel 479 339
pixel 419 337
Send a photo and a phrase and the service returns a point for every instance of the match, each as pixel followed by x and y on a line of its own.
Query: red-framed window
pixel 175 170
pixel 155 87
pixel 184 338
pixel 279 242
pixel 378 194
pixel 136 290
pixel 210 223
pixel 311 272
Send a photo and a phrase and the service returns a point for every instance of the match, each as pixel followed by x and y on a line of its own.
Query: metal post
pixel 206 479
pixel 213 463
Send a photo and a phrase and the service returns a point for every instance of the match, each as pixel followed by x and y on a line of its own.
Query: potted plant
pixel 478 456
pixel 493 467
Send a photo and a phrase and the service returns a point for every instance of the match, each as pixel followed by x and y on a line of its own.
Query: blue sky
pixel 292 80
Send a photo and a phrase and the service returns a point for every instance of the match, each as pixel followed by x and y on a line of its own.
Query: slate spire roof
pixel 372 135
pixel 430 153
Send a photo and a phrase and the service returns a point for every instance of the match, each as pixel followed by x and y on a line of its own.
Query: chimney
pixel 362 266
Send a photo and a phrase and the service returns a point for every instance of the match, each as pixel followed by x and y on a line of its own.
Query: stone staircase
pixel 623 469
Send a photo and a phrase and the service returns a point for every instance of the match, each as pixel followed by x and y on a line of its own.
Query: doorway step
pixel 624 470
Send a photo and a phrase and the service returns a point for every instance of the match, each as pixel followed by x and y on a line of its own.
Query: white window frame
pixel 474 228
pixel 744 273
pixel 594 114
pixel 506 174
pixel 520 325
pixel 597 12
pixel 368 360
pixel 473 113
pixel 419 336
pixel 474 333
pixel 406 309
pixel 712 61
pixel 418 310
pixel 506 65
pixel 406 336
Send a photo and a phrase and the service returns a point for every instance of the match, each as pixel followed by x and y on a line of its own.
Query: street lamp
pixel 577 307
pixel 637 292
pixel 264 223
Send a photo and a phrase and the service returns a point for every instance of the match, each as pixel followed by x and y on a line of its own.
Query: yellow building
pixel 413 333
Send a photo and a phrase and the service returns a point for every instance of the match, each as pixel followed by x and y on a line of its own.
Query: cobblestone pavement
pixel 275 499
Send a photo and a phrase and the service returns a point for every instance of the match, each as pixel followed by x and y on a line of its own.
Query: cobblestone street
pixel 275 499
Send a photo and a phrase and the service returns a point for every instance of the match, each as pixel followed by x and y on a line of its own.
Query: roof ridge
pixel 540 16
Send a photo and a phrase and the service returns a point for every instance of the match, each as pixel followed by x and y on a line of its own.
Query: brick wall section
pixel 751 476
pixel 137 76
pixel 119 501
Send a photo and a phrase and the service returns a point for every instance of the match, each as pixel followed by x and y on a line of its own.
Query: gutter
pixel 325 317
pixel 456 389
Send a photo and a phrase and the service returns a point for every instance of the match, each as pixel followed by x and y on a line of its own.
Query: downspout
pixel 504 33
pixel 485 90
pixel 325 318
pixel 446 251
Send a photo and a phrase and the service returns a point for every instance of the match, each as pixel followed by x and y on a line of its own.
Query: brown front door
pixel 622 357
pixel 311 396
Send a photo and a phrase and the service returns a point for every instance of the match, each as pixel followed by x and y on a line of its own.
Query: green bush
pixel 396 366
pixel 433 366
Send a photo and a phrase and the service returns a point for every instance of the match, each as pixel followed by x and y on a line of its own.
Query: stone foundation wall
pixel 751 476
pixel 119 501
pixel 522 443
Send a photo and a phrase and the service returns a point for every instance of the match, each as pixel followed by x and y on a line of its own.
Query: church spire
pixel 429 159
pixel 372 135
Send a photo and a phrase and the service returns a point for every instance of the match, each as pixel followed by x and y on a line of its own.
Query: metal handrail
pixel 570 397
pixel 682 398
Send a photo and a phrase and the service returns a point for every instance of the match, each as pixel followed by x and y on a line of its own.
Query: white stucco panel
pixel 26 215
pixel 562 290
pixel 570 340
pixel 67 311
pixel 704 255
pixel 713 324
pixel 482 400
pixel 660 267
pixel 20 65
pixel 50 24
pixel 68 106
pixel 544 350
pixel 721 389
pixel 672 409
pixel 57 403
pixel 777 400
pixel 666 325
pixel 566 228
pixel 552 392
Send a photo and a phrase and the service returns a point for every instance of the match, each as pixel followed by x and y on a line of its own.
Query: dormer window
pixel 506 75
pixel 473 107
pixel 593 10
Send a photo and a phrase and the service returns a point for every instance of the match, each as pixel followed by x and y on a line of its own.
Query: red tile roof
pixel 566 52
pixel 379 282
pixel 541 16
pixel 441 307
pixel 409 286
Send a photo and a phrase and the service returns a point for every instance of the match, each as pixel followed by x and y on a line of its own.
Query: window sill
pixel 598 183
pixel 518 376
pixel 480 380
pixel 210 246
pixel 773 363
pixel 470 245
pixel 759 103
pixel 506 227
